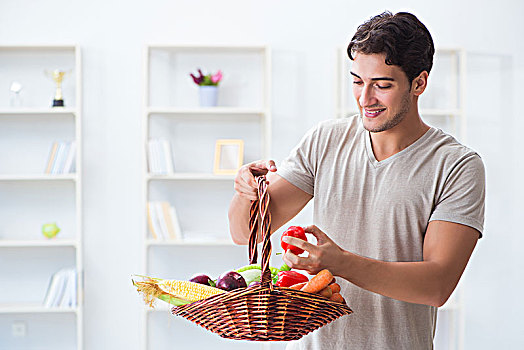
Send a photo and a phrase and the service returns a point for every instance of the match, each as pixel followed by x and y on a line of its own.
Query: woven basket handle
pixel 260 220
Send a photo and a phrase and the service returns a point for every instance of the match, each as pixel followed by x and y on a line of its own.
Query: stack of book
pixel 160 159
pixel 62 289
pixel 61 158
pixel 163 221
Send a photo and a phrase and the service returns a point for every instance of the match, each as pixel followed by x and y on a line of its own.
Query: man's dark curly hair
pixel 404 40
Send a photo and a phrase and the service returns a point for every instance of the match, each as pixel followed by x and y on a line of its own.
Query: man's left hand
pixel 326 254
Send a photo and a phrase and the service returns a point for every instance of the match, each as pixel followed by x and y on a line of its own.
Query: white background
pixel 303 36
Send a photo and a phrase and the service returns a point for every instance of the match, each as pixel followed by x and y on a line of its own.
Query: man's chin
pixel 375 126
pixel 372 125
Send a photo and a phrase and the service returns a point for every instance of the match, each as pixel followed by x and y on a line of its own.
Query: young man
pixel 398 205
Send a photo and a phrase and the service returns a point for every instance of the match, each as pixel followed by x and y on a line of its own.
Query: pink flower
pixel 215 78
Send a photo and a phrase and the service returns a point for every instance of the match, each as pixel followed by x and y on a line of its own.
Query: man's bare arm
pixel 447 249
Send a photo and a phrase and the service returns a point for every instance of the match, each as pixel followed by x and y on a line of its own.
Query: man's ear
pixel 420 83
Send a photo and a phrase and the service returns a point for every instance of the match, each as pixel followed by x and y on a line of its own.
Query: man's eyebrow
pixel 374 79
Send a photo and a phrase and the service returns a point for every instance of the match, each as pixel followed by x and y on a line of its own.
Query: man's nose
pixel 367 97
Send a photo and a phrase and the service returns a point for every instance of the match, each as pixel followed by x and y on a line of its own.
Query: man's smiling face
pixel 383 92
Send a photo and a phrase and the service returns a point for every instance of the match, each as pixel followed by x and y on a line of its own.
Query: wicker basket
pixel 266 312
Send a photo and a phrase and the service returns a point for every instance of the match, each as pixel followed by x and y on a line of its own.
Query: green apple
pixel 50 230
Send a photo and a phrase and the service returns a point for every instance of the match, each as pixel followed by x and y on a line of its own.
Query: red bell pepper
pixel 289 278
pixel 297 232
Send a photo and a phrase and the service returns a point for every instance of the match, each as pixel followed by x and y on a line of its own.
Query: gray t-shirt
pixel 381 210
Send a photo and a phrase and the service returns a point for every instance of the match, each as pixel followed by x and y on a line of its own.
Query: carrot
pixel 335 287
pixel 326 292
pixel 337 298
pixel 320 281
pixel 298 285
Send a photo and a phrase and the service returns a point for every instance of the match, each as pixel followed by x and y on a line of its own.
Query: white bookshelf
pixel 441 106
pixel 200 197
pixel 30 197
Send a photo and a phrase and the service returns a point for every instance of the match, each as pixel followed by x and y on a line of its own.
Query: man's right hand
pixel 245 184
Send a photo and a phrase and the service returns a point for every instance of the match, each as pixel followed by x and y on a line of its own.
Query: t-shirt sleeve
pixel 463 195
pixel 299 167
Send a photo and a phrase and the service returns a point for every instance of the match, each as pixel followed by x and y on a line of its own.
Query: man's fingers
pixel 262 167
pixel 294 261
pixel 248 196
pixel 271 165
pixel 299 243
pixel 245 183
pixel 246 191
pixel 319 235
pixel 243 186
pixel 248 178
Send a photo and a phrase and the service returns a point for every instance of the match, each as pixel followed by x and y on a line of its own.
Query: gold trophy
pixel 58 77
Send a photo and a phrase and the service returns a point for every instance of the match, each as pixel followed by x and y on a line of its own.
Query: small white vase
pixel 208 95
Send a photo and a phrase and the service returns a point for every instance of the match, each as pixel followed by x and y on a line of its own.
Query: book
pixel 154 157
pixel 74 292
pixel 168 157
pixel 176 223
pixel 149 157
pixel 162 219
pixel 58 157
pixel 52 290
pixel 51 158
pixel 56 291
pixel 151 221
pixel 166 213
pixel 157 220
pixel 62 153
pixel 69 159
pixel 62 289
pixel 69 297
pixel 160 157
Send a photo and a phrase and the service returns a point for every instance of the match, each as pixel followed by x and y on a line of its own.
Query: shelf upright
pixel 27 63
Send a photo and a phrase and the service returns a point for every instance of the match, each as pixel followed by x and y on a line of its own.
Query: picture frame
pixel 229 155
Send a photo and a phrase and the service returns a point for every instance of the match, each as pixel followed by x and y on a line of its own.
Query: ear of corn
pixel 172 291
pixel 150 292
pixel 188 290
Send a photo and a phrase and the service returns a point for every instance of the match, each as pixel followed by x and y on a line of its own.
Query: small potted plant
pixel 208 87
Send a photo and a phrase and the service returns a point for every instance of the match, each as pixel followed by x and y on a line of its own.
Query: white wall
pixel 303 36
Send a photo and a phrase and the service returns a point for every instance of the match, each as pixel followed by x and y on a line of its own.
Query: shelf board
pixel 214 48
pixel 211 242
pixel 37 111
pixel 176 111
pixel 35 243
pixel 190 176
pixel 70 47
pixel 32 308
pixel 38 177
